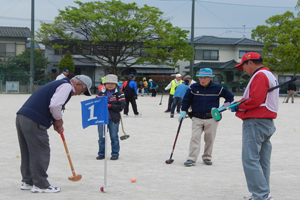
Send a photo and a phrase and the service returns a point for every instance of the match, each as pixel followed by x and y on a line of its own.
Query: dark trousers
pixel 130 99
pixel 171 102
pixel 176 100
pixel 153 93
pixel 35 151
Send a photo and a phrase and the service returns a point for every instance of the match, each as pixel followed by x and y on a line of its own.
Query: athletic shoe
pixel 100 157
pixel 207 161
pixel 114 158
pixel 178 112
pixel 125 115
pixel 50 189
pixel 248 197
pixel 189 163
pixel 26 186
pixel 138 115
pixel 269 197
pixel 172 116
pixel 166 111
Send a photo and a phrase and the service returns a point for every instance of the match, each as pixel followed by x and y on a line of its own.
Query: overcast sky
pixel 223 18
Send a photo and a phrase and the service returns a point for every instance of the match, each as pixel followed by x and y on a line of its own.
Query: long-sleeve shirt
pixel 59 98
pixel 258 91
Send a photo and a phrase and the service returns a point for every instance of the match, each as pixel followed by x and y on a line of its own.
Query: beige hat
pixel 111 78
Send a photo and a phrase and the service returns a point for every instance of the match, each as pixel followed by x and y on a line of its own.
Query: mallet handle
pixel 67 151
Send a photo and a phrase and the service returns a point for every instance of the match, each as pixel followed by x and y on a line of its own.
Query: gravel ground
pixel 143 156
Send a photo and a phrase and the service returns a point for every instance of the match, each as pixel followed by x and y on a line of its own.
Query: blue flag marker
pixel 94 112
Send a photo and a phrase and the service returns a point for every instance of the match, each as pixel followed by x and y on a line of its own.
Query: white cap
pixel 87 81
pixel 178 75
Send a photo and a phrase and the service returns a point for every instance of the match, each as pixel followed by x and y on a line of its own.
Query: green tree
pixel 281 37
pixel 20 64
pixel 67 62
pixel 117 35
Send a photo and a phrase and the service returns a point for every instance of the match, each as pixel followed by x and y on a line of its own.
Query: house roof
pixel 213 40
pixel 21 32
pixel 215 65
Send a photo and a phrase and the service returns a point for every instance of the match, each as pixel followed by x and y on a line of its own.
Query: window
pixel 242 52
pixel 7 49
pixel 210 55
pixel 206 54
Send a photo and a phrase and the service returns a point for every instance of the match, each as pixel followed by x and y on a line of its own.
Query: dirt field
pixel 143 156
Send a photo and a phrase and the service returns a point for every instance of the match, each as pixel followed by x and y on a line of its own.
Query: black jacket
pixel 117 102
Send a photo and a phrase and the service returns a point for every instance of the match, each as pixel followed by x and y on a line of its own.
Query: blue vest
pixel 37 105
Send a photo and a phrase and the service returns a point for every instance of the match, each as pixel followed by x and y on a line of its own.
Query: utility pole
pixel 192 39
pixel 32 49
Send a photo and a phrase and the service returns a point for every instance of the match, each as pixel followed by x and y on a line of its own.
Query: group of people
pixel 43 110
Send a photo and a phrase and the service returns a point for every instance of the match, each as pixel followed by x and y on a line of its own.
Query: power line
pixel 234 4
pixel 11 8
pixel 24 19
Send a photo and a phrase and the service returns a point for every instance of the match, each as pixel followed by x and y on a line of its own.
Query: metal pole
pixel 32 49
pixel 192 40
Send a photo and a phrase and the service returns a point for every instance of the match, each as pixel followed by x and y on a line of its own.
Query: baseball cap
pixel 131 76
pixel 87 81
pixel 248 56
pixel 65 70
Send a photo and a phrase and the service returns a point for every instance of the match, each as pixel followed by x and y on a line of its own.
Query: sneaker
pixel 269 197
pixel 26 186
pixel 178 112
pixel 248 197
pixel 207 161
pixel 172 116
pixel 100 157
pixel 125 115
pixel 50 189
pixel 166 111
pixel 189 163
pixel 114 158
pixel 138 115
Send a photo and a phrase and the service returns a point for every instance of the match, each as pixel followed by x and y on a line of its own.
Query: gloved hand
pixel 135 97
pixel 235 108
pixel 182 116
pixel 227 104
pixel 108 105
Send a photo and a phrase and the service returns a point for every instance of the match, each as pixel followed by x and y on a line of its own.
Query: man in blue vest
pixel 39 113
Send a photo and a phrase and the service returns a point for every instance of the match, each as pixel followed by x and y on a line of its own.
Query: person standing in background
pixel 64 74
pixel 130 90
pixel 172 86
pixel 291 92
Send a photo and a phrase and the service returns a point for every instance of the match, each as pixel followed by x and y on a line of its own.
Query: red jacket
pixel 257 96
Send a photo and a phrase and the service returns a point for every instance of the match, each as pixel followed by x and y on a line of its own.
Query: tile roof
pixel 22 32
pixel 213 40
pixel 215 65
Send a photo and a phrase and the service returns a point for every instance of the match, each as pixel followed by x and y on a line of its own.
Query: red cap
pixel 248 56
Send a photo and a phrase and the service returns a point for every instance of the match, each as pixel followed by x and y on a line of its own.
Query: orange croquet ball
pixel 133 180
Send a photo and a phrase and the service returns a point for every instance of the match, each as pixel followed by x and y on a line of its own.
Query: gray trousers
pixel 35 151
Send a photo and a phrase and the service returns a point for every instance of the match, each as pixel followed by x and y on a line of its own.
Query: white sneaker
pixel 26 186
pixel 269 197
pixel 50 189
pixel 125 115
pixel 250 197
pixel 138 115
